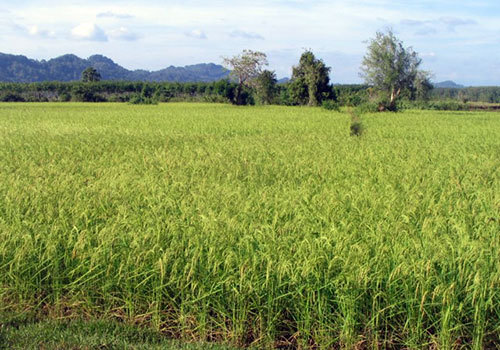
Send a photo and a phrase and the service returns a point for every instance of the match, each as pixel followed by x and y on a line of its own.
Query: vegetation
pixel 90 75
pixel 246 68
pixel 224 91
pixel 69 68
pixel 310 83
pixel 392 69
pixel 489 94
pixel 266 88
pixel 24 332
pixel 218 223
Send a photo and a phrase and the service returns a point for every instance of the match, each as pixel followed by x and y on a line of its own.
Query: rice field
pixel 255 226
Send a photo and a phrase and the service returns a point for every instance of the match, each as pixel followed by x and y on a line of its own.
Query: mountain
pixel 448 84
pixel 15 68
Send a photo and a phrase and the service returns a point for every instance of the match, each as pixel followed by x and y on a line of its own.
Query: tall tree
pixel 265 86
pixel 245 67
pixel 90 74
pixel 310 81
pixel 422 86
pixel 390 67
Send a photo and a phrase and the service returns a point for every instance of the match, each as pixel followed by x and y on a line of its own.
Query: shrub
pixel 11 97
pixel 356 127
pixel 64 97
pixel 367 107
pixel 215 99
pixel 330 105
pixel 448 106
pixel 139 99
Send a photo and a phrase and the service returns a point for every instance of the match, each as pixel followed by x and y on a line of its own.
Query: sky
pixel 457 40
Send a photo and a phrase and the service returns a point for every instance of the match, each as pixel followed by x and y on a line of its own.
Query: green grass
pixel 255 225
pixel 24 333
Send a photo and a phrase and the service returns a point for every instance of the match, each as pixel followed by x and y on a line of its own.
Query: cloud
pixel 122 33
pixel 427 27
pixel 453 22
pixel 196 33
pixel 36 31
pixel 89 31
pixel 427 30
pixel 428 54
pixel 413 23
pixel 245 35
pixel 110 14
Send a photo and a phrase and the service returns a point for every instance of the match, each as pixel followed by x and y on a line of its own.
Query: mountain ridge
pixel 448 84
pixel 68 67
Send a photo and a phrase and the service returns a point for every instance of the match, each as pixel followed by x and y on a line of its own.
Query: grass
pixel 24 333
pixel 269 226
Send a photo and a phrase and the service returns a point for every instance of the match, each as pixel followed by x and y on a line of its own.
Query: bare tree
pixel 245 67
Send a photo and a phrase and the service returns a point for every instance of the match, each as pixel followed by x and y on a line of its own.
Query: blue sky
pixel 457 40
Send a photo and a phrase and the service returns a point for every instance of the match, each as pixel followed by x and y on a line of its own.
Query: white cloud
pixel 122 33
pixel 245 35
pixel 428 54
pixel 89 31
pixel 36 31
pixel 111 14
pixel 196 33
pixel 447 28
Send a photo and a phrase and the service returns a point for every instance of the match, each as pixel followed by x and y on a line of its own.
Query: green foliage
pixel 391 68
pixel 310 81
pixel 356 126
pixel 284 95
pixel 121 91
pixel 262 225
pixel 368 107
pixel 447 106
pixel 140 99
pixel 489 94
pixel 266 87
pixel 90 75
pixel 18 333
pixel 86 93
pixel 330 105
pixel 64 97
pixel 245 67
pixel 69 68
pixel 11 97
pixel 422 87
pixel 148 96
pixel 352 95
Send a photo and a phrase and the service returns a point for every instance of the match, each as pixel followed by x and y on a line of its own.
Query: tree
pixel 90 75
pixel 265 85
pixel 390 67
pixel 422 86
pixel 245 67
pixel 310 81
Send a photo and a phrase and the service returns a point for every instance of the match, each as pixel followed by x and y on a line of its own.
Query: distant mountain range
pixel 448 84
pixel 15 68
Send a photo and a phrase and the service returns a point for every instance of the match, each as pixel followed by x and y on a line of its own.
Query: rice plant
pixel 262 226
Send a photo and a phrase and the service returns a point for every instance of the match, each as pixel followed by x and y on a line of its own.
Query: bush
pixel 330 105
pixel 139 99
pixel 367 107
pixel 64 97
pixel 11 97
pixel 215 99
pixel 356 127
pixel 448 106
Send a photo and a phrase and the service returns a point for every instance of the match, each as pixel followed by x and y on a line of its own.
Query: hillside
pixel 448 84
pixel 69 67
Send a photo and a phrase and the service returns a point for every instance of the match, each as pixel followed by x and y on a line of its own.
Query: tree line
pixel 391 72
